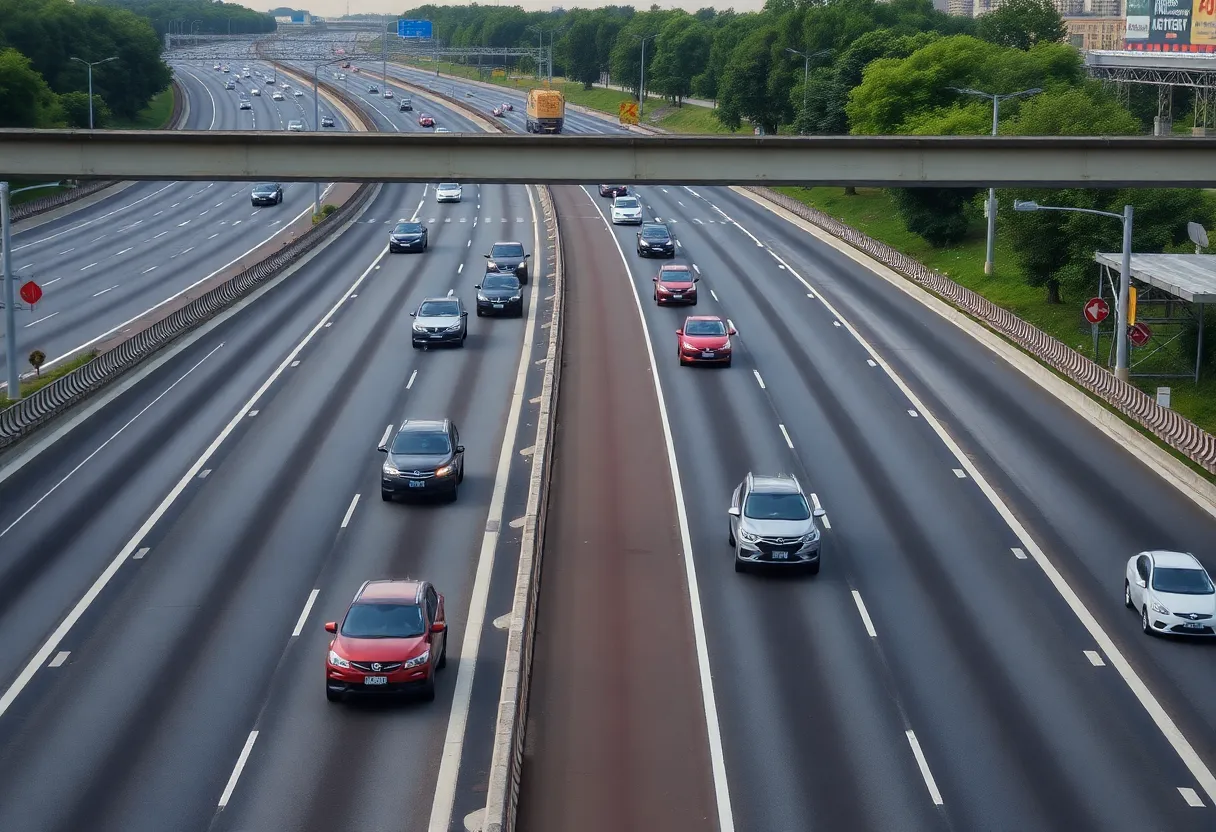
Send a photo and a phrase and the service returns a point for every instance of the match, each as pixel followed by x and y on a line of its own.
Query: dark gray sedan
pixel 500 294
pixel 425 458
pixel 509 258
pixel 266 193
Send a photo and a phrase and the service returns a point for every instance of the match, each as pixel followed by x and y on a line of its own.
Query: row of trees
pixel 40 84
pixel 202 17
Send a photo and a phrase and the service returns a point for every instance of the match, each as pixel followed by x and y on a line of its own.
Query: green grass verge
pixel 30 196
pixel 35 384
pixel 153 117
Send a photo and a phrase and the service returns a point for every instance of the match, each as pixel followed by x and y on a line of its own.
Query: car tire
pixel 386 496
pixel 414 344
pixel 455 495
pixel 460 474
pixel 730 534
pixel 694 302
pixel 813 569
pixel 740 566
pixel 443 656
pixel 1145 626
pixel 480 313
pixel 728 361
pixel 333 695
pixel 428 689
pixel 1127 596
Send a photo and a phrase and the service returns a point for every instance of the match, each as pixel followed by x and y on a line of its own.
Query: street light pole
pixel 990 249
pixel 642 78
pixel 316 124
pixel 806 70
pixel 90 65
pixel 1122 370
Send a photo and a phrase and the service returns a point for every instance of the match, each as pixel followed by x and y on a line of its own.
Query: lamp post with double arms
pixel 806 70
pixel 90 65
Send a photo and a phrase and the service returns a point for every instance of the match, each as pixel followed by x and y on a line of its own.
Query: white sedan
pixel 448 192
pixel 626 210
pixel 295 126
pixel 1172 592
pixel 278 96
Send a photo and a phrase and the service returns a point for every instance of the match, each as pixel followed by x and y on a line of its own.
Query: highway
pixel 102 266
pixel 968 694
pixel 166 567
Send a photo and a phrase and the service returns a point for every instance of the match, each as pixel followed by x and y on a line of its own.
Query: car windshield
pixel 704 328
pixel 408 228
pixel 499 282
pixel 439 309
pixel 654 232
pixel 263 188
pixel 507 250
pixel 777 507
pixel 383 621
pixel 622 202
pixel 421 442
pixel 448 186
pixel 1182 581
pixel 674 275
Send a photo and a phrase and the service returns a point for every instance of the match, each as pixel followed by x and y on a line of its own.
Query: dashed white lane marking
pixel 960 473
pixel 143 550
pixel 696 268
pixel 810 295
pixel 865 615
pixel 151 269
pixel 206 472
pixel 759 380
pixel 124 251
pixel 930 783
pixel 870 361
pixel 253 413
pixel 86 268
pixel 161 234
pixel 786 434
pixel 52 280
pixel 350 512
pixel 40 320
pixel 384 439
pixel 103 291
pixel 913 413
pixel 835 323
pixel 299 628
pixel 1018 553
pixel 714 295
pixel 410 383
pixel 296 363
pixel 236 771
pixel 60 658
pixel 1095 658
pixel 213 236
pixel 1191 797
pixel 460 268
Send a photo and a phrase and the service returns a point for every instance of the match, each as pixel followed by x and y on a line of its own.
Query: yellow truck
pixel 546 111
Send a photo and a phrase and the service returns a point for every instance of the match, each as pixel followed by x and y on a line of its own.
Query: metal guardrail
pixel 29 413
pixel 49 203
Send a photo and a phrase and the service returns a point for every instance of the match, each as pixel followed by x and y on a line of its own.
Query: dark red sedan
pixel 704 339
pixel 675 284
pixel 426 121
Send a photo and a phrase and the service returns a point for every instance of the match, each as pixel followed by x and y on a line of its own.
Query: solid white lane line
pixel 453 741
pixel 1192 799
pixel 924 769
pixel 238 768
pixel 299 628
pixel 91 595
pixel 1095 658
pixel 1018 553
pixel 960 473
pixel 410 383
pixel 865 614
pixel 350 511
pixel 143 550
pixel 95 219
pixel 713 729
pixel 786 434
pixel 103 291
pixel 40 320
pixel 759 380
pixel 60 658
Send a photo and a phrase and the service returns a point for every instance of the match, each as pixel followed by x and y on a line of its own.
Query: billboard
pixel 1171 26
pixel 414 29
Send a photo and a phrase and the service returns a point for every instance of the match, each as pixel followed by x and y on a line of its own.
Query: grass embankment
pixel 33 385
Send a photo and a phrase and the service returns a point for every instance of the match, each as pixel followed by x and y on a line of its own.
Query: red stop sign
pixel 31 292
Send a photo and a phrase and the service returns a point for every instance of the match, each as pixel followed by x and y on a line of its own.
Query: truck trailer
pixel 546 111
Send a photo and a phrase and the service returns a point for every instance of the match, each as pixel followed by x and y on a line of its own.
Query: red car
pixel 675 284
pixel 704 339
pixel 392 639
pixel 426 121
pixel 614 190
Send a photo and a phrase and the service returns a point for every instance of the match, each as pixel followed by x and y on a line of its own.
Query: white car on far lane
pixel 626 210
pixel 1172 592
pixel 447 192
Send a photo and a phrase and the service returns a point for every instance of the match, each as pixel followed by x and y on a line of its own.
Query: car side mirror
pixel 460 449
pixel 696 280
pixel 331 626
pixel 439 627
pixel 476 285
pixel 820 513
pixel 1140 582
pixel 382 448
pixel 527 256
pixel 413 314
pixel 654 280
pixel 679 332
pixel 734 331
pixel 486 256
pixel 464 314
pixel 733 511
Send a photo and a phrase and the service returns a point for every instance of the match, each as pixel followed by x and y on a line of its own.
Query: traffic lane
pixel 110 472
pixel 202 112
pixel 810 723
pixel 389 111
pixel 617 733
pixel 999 639
pixel 366 765
pixel 1088 506
pixel 266 516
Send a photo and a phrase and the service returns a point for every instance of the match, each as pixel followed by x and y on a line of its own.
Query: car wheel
pixel 728 361
pixel 730 534
pixel 414 344
pixel 813 568
pixel 480 313
pixel 428 689
pixel 455 495
pixel 1127 596
pixel 443 655
pixel 333 695
pixel 1144 623
pixel 386 496
pixel 694 301
pixel 460 474
pixel 740 566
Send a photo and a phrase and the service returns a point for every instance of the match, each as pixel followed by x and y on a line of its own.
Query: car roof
pixel 390 590
pixel 444 297
pixel 508 243
pixel 423 425
pixel 775 484
pixel 1176 560
pixel 704 318
pixel 674 267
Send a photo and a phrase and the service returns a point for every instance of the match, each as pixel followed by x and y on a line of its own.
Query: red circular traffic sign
pixel 31 293
pixel 1096 310
pixel 1139 334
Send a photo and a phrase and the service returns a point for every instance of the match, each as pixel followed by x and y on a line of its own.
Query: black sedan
pixel 425 458
pixel 407 236
pixel 500 294
pixel 654 240
pixel 508 258
pixel 614 190
pixel 266 193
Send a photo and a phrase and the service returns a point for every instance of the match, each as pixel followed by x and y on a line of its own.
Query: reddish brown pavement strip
pixel 617 735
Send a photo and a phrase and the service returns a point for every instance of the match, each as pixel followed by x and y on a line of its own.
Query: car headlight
pixel 688 346
pixel 748 536
pixel 514 298
pixel 490 264
pixel 445 470
pixel 453 327
pixel 1157 608
pixel 482 297
pixel 390 469
pixel 419 328
pixel 812 537
pixel 419 660
pixel 338 661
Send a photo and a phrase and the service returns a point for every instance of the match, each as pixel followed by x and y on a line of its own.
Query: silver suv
pixel 772 523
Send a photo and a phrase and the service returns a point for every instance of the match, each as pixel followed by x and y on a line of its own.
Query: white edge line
pixel 299 628
pixel 453 741
pixel 238 768
pixel 726 820
pixel 865 614
pixel 924 768
pixel 350 511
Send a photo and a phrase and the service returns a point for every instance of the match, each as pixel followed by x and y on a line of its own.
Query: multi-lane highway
pixel 104 265
pixel 937 673
pixel 166 567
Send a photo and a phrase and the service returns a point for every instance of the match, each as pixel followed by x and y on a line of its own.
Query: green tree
pixel 681 54
pixel 1022 23
pixel 746 92
pixel 76 110
pixel 25 99
pixel 626 63
pixel 580 56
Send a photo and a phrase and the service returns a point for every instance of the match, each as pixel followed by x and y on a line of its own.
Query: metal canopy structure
pixel 503 158
pixel 310 45
pixel 1174 291
pixel 1164 70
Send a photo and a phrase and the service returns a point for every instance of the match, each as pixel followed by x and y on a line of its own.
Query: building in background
pixel 1066 8
pixel 1091 32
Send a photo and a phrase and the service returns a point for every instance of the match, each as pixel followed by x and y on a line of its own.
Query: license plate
pixel 417 484
pixel 375 680
pixel 677 297
pixel 498 306
pixel 707 355
pixel 1193 625
pixel 436 337
pixel 781 555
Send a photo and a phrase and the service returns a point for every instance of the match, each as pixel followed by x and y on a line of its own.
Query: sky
pixel 337 8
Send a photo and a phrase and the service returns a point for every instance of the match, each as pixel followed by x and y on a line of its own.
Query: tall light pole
pixel 642 75
pixel 540 50
pixel 316 124
pixel 1122 371
pixel 996 114
pixel 90 65
pixel 806 70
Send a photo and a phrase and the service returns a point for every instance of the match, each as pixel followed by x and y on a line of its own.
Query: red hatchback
pixel 426 121
pixel 392 639
pixel 675 284
pixel 704 339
